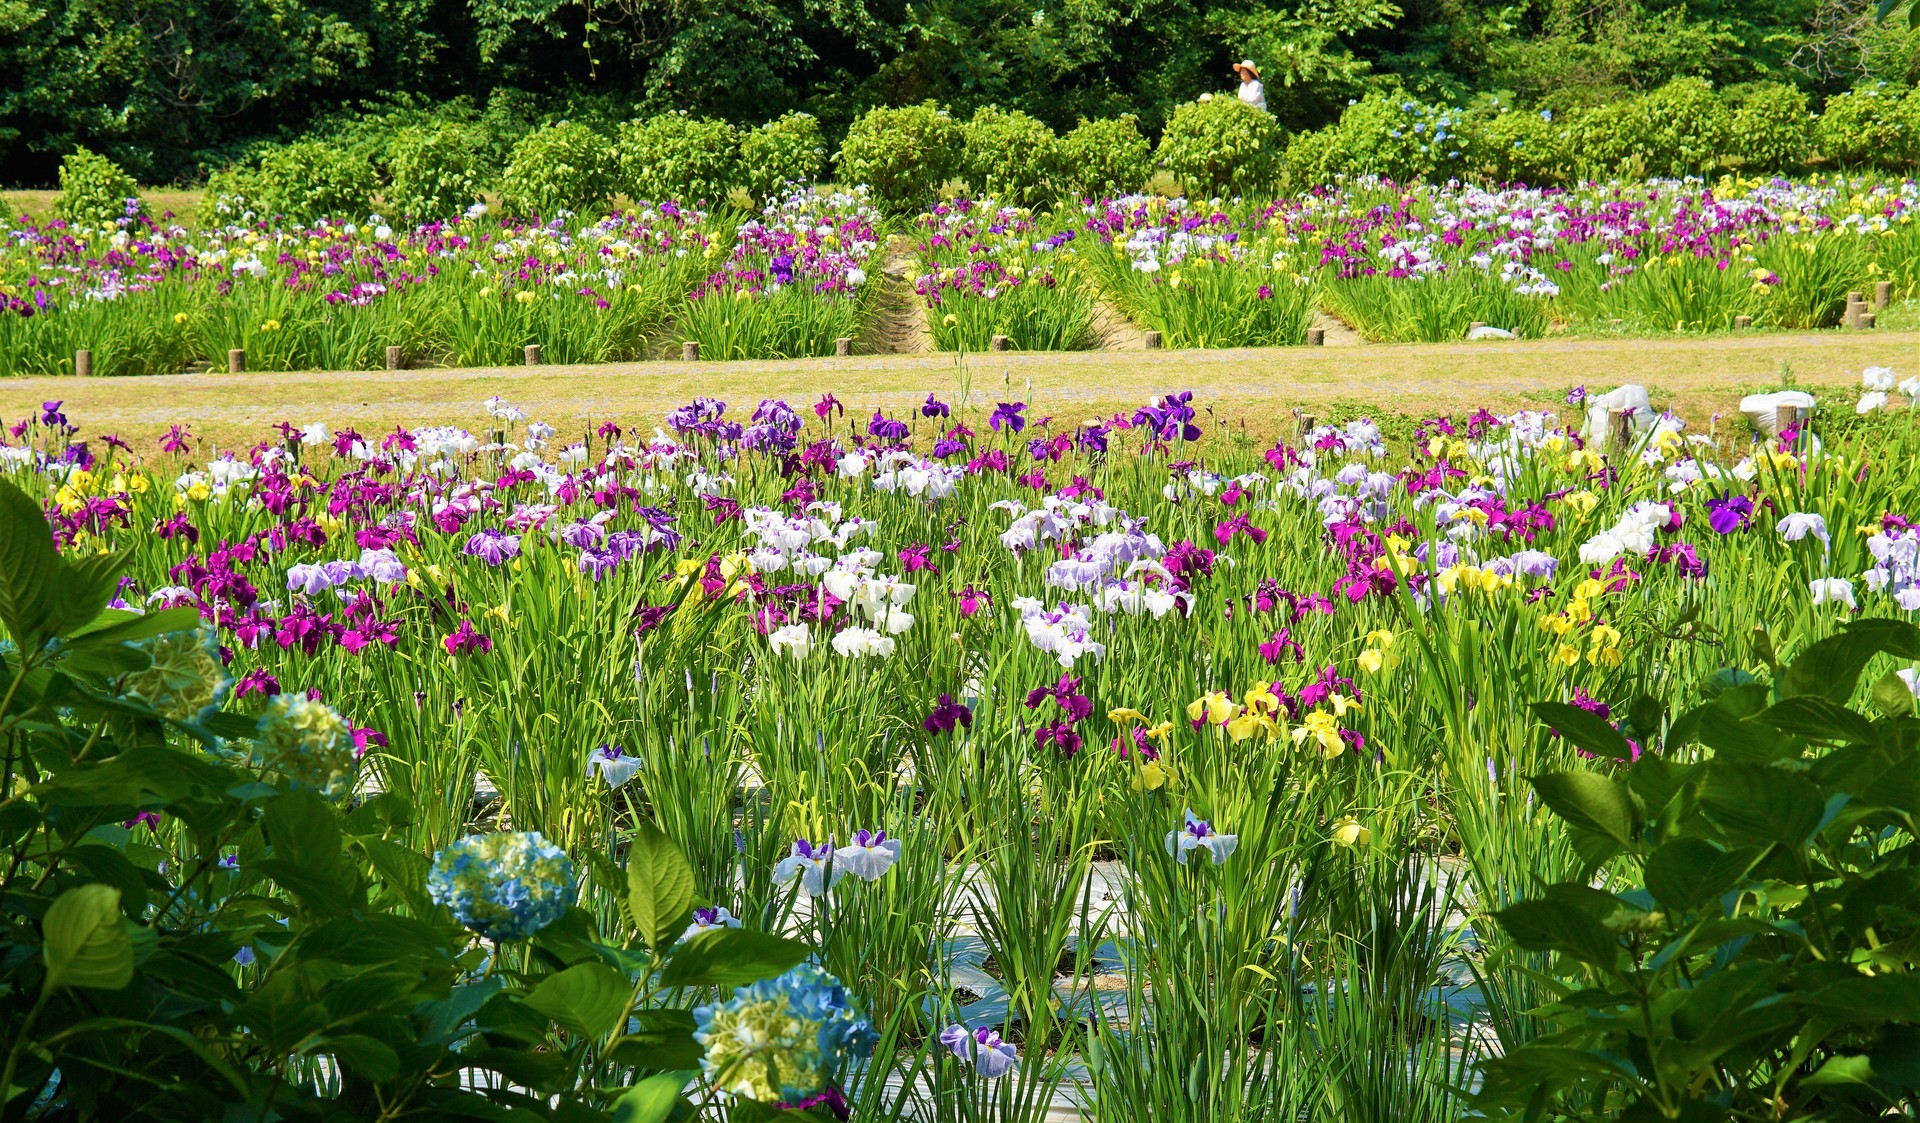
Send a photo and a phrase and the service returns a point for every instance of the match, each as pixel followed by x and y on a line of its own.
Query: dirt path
pixel 1114 330
pixel 1698 376
pixel 899 325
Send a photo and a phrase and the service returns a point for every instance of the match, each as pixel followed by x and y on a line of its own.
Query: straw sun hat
pixel 1247 65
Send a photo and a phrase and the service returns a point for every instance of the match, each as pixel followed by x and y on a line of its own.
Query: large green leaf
pixel 87 944
pixel 29 567
pixel 1585 729
pixel 659 886
pixel 651 1100
pixel 1755 805
pixel 587 999
pixel 1591 802
pixel 1686 872
pixel 727 957
pixel 1553 926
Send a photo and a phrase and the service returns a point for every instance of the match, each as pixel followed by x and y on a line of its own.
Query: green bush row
pixel 908 154
pixel 1685 127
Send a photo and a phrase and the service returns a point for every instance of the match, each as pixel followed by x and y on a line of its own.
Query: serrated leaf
pixel 28 566
pixel 1756 805
pixel 1591 802
pixel 728 957
pixel 587 999
pixel 659 886
pixel 1892 696
pixel 1585 729
pixel 87 944
pixel 651 1100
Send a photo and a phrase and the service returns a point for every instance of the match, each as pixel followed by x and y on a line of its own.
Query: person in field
pixel 1251 91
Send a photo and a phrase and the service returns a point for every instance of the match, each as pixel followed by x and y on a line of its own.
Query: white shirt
pixel 1254 94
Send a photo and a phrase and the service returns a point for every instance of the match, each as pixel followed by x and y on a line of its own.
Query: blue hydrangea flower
pixel 186 679
pixel 308 744
pixel 782 1039
pixel 505 886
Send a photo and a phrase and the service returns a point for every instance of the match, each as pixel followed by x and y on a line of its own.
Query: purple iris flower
pixel 1008 413
pixel 1729 514
pixel 935 408
pixel 988 1052
pixel 885 428
pixel 946 715
pixel 492 546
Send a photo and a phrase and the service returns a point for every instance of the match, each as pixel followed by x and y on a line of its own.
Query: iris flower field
pixel 805 759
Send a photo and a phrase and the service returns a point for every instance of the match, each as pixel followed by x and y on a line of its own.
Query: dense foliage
pixel 171 89
pixel 280 948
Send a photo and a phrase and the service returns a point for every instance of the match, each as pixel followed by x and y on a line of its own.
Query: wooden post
pixel 83 363
pixel 999 343
pixel 1150 340
pixel 1882 294
pixel 237 360
pixel 1742 323
pixel 843 347
pixel 1856 304
pixel 1316 337
pixel 1868 319
pixel 1307 421
pixel 690 351
pixel 393 358
pixel 1622 426
pixel 1785 418
pixel 533 354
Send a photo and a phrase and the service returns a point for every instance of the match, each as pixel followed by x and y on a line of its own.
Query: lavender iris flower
pixel 989 1053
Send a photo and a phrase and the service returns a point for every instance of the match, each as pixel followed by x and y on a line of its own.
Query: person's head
pixel 1246 70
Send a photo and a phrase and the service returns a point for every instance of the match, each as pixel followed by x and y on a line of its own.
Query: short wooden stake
pixel 1622 423
pixel 999 343
pixel 1316 337
pixel 690 351
pixel 1868 319
pixel 237 360
pixel 1785 418
pixel 1882 294
pixel 83 363
pixel 1743 322
pixel 533 354
pixel 843 347
pixel 393 358
pixel 1855 310
pixel 1150 340
pixel 1307 421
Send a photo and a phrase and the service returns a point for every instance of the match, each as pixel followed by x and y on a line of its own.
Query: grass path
pixel 1697 376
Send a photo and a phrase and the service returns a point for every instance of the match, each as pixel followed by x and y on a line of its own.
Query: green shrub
pixel 93 190
pixel 1738 958
pixel 1877 125
pixel 310 180
pixel 1772 127
pixel 1009 156
pixel 903 154
pixel 434 171
pixel 1682 128
pixel 6 212
pixel 1106 157
pixel 1386 135
pixel 559 167
pixel 678 156
pixel 789 149
pixel 1522 146
pixel 1221 146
